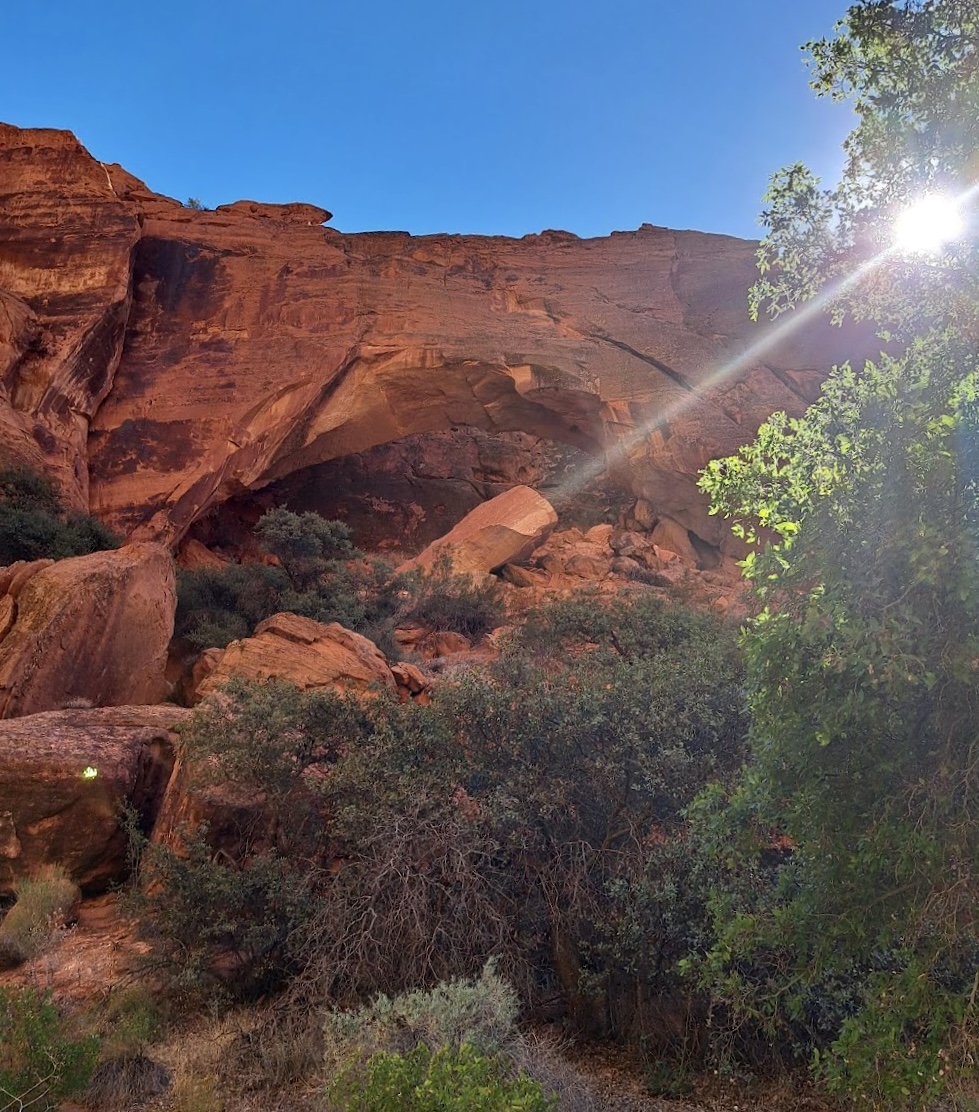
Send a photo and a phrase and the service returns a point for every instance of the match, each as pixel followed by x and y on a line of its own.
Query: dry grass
pixel 44 904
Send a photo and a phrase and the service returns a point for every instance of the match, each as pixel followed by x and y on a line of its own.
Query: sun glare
pixel 928 225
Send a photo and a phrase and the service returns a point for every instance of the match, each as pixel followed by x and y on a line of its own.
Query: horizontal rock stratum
pixel 157 360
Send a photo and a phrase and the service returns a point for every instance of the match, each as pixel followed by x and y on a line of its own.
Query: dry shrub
pixel 424 900
pixel 542 1058
pixel 195 1054
pixel 127 1080
pixel 44 903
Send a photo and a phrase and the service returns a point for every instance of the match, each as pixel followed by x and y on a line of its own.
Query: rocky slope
pixel 160 360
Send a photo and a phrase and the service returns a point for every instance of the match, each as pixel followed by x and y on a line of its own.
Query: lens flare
pixel 928 225
pixel 619 452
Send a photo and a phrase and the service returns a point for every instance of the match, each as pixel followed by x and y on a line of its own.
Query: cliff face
pixel 66 257
pixel 159 360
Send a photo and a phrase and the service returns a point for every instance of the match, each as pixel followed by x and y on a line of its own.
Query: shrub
pixel 444 1081
pixel 130 1020
pixel 222 929
pixel 535 810
pixel 218 605
pixel 450 1047
pixel 457 603
pixel 479 1012
pixel 40 1065
pixel 323 577
pixel 127 1081
pixel 43 903
pixel 34 524
pixel 311 548
pixel 234 919
pixel 262 737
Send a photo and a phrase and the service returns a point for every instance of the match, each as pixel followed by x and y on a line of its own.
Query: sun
pixel 928 225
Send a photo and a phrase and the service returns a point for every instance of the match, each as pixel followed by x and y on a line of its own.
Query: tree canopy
pixel 911 73
pixel 864 660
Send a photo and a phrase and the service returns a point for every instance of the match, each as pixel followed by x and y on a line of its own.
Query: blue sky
pixel 436 116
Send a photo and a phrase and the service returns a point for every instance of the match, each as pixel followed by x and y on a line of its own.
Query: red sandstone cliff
pixel 159 360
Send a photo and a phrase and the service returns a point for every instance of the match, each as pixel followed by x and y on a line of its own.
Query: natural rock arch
pixel 157 360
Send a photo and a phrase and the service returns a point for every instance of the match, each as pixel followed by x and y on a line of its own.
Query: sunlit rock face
pixel 215 353
pixel 66 254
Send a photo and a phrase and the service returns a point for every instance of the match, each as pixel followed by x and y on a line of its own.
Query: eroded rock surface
pixel 66 776
pixel 304 652
pixel 209 353
pixel 91 628
pixel 65 295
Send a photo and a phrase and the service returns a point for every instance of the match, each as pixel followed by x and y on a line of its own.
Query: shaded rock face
pixel 90 628
pixel 210 353
pixel 51 811
pixel 65 296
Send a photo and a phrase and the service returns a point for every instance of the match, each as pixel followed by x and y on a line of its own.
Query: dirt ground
pixel 102 953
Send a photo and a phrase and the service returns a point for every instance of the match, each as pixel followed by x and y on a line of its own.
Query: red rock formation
pixel 259 343
pixel 306 653
pixel 65 294
pixel 91 628
pixel 505 529
pixel 67 775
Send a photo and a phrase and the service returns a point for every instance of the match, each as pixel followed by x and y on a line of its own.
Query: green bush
pixel 536 810
pixel 479 1012
pixel 454 1046
pixel 222 929
pixel 262 737
pixel 231 915
pixel 457 603
pixel 295 538
pixel 218 605
pixel 43 902
pixel 40 1064
pixel 444 1081
pixel 322 576
pixel 34 524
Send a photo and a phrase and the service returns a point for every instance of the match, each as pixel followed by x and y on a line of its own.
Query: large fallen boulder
pixel 91 629
pixel 67 776
pixel 504 530
pixel 304 652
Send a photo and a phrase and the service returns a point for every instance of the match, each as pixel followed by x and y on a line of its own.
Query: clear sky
pixel 489 116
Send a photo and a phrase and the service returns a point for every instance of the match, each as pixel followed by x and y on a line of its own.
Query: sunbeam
pixel 786 326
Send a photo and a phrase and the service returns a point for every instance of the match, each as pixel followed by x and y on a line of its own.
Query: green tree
pixel 863 943
pixel 34 524
pixel 910 70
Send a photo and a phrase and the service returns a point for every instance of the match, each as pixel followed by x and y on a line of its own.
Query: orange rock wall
pixel 159 360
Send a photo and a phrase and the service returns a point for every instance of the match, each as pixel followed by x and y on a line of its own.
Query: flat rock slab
pixel 304 652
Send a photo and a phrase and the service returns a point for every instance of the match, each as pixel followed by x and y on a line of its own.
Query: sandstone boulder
pixel 91 628
pixel 506 529
pixel 672 536
pixel 586 566
pixel 193 556
pixel 66 776
pixel 306 653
